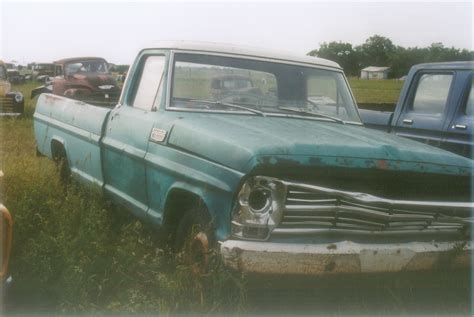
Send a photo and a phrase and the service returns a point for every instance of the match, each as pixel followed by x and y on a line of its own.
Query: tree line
pixel 380 51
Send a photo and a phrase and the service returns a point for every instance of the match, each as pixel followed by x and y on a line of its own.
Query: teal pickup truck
pixel 281 178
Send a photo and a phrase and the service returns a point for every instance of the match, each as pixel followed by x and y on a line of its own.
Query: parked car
pixel 6 229
pixel 291 184
pixel 83 78
pixel 436 107
pixel 11 102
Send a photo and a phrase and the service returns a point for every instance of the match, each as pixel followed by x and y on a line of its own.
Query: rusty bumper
pixel 343 257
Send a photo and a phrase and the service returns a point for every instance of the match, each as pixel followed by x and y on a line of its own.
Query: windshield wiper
pixel 229 105
pixel 313 113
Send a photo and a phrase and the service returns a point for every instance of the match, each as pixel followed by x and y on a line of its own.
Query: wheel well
pixel 57 150
pixel 177 203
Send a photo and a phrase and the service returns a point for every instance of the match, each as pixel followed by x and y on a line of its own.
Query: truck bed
pixel 76 127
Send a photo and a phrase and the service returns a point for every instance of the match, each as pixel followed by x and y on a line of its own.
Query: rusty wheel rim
pixel 198 253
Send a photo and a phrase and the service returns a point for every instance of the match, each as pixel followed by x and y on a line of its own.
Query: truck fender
pixel 179 198
pixel 57 144
pixel 40 90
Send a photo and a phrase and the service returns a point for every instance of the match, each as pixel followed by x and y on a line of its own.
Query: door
pixel 460 131
pixel 127 134
pixel 425 112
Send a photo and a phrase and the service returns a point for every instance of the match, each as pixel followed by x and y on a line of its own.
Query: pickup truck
pixel 82 78
pixel 436 107
pixel 288 183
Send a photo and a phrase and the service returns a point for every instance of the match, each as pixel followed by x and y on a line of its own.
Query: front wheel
pixel 195 240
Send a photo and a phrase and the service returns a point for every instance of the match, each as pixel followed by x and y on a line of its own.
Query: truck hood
pixel 94 79
pixel 243 142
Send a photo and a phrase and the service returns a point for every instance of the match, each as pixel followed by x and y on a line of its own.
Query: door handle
pixel 407 121
pixel 460 126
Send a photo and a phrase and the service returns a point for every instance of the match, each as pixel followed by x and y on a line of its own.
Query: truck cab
pixel 435 107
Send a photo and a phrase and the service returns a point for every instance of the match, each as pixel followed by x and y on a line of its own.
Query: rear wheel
pixel 195 239
pixel 63 165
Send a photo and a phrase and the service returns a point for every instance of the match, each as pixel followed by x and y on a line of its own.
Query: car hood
pixel 95 79
pixel 244 142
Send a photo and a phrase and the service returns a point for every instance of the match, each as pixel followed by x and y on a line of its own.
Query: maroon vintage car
pixel 83 78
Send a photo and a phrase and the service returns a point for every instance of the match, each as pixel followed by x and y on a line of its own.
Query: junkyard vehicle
pixel 14 75
pixel 436 107
pixel 83 78
pixel 233 86
pixel 11 102
pixel 291 183
pixel 6 225
pixel 43 71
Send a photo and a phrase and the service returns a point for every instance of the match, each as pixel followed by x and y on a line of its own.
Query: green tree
pixel 376 51
pixel 341 53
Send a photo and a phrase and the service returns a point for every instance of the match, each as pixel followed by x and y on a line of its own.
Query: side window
pixel 59 71
pixel 470 101
pixel 149 83
pixel 432 93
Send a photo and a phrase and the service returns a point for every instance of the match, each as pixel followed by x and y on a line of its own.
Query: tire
pixel 63 166
pixel 195 240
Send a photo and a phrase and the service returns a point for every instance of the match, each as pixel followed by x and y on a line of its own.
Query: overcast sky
pixel 42 31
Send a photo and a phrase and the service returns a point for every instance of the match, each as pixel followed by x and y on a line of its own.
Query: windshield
pixel 3 72
pixel 204 82
pixel 93 66
pixel 44 67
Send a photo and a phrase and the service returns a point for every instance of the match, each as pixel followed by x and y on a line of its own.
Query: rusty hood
pixel 244 142
pixel 93 80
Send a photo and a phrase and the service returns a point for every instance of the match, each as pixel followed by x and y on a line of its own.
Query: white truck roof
pixel 242 50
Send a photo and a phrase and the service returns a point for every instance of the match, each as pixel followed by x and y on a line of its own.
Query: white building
pixel 374 72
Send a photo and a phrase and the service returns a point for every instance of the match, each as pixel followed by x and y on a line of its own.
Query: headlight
pixel 259 208
pixel 18 97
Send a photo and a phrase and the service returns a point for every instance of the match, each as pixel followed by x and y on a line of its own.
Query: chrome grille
pixel 310 207
pixel 6 105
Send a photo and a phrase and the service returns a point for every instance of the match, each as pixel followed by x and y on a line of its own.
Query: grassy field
pixel 75 252
pixel 375 91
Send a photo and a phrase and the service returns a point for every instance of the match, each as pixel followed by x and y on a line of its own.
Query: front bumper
pixel 343 257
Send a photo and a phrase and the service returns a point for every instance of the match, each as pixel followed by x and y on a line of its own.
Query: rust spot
pixel 332 247
pixel 381 164
pixel 330 266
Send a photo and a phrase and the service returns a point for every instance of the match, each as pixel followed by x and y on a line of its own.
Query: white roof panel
pixel 242 50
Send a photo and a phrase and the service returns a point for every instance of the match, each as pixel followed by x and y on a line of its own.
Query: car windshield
pixel 92 66
pixel 207 82
pixel 44 67
pixel 3 72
